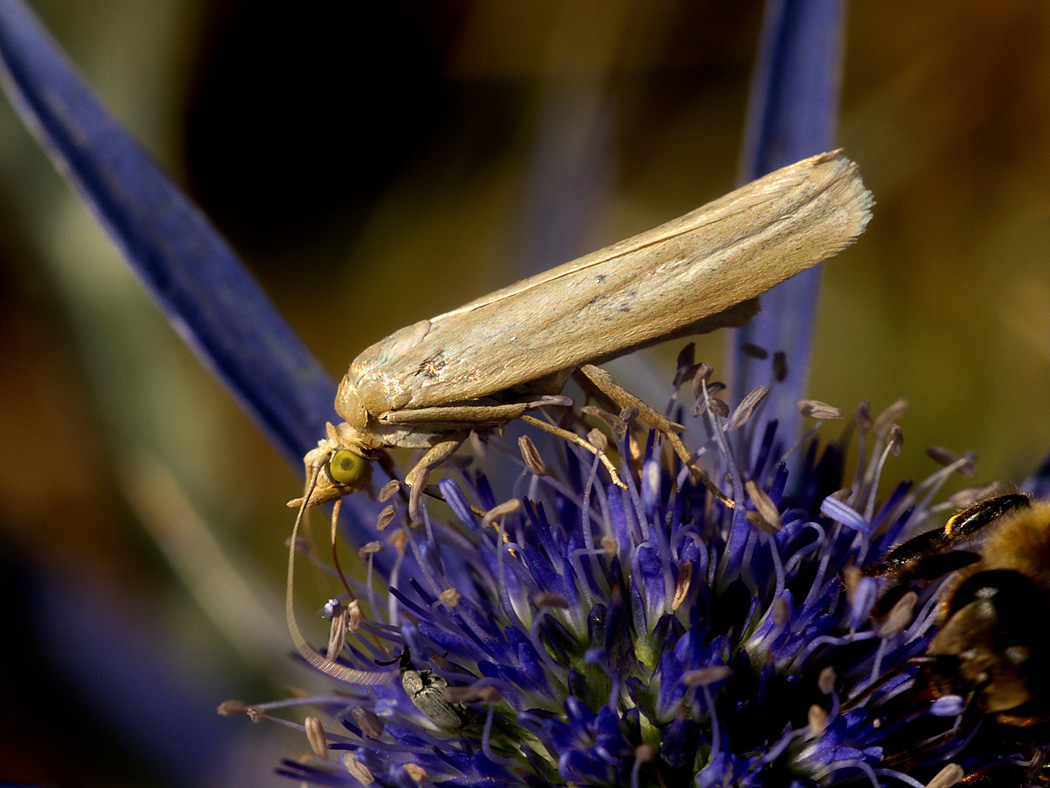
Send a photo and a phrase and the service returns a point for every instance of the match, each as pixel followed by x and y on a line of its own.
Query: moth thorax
pixel 348 405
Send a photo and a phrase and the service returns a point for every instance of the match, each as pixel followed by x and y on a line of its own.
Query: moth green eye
pixel 345 467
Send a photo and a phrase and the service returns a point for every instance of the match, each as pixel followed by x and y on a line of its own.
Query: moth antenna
pixel 326 666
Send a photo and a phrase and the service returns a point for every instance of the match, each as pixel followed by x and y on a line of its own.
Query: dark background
pixel 377 163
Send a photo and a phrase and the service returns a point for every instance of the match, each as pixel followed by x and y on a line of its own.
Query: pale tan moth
pixel 493 360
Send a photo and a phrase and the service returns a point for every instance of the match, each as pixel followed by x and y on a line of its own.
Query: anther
pixel 780 366
pixel 815 409
pixel 315 735
pixel 450 597
pixel 896 440
pixel 614 422
pixel 891 415
pixel 746 408
pixel 369 723
pixel 501 510
pixel 899 616
pixel 754 351
pixel 706 676
pixel 531 455
pixel 550 599
pixel 389 490
pixel 681 588
pixel 826 680
pixel 416 772
pixel 371 548
pixel 817 719
pixel 357 770
pixel 385 518
pixel 232 708
pixel 947 777
pixel 765 509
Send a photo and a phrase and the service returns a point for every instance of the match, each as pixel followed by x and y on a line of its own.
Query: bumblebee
pixel 993 644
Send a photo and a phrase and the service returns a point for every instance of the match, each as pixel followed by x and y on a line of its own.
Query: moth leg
pixel 572 437
pixel 416 478
pixel 477 416
pixel 669 429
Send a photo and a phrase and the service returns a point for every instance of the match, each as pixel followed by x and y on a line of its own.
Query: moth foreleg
pixel 416 479
pixel 474 416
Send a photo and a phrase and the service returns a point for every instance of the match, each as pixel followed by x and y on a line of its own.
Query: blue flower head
pixel 584 634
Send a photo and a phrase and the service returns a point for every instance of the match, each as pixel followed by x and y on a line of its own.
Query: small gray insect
pixel 496 358
pixel 427 693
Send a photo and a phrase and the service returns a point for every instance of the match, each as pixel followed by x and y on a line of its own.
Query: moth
pixel 495 359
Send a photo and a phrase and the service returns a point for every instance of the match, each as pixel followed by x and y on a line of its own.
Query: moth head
pixel 341 464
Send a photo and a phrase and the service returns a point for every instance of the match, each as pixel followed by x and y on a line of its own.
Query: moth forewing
pixel 495 358
pixel 634 293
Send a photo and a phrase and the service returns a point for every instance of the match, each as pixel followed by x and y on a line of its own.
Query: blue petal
pixel 648 569
pixel 458 502
pixel 837 510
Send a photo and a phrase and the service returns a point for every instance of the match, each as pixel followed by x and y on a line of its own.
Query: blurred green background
pixel 377 163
